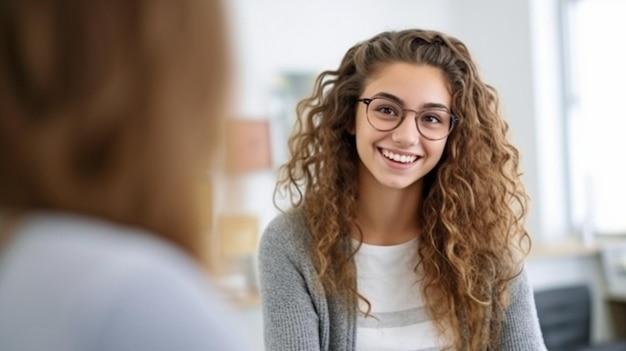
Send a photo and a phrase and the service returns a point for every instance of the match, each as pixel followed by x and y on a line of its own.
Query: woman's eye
pixel 431 119
pixel 387 111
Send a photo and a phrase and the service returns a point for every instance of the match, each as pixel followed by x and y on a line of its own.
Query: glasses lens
pixel 434 124
pixel 384 114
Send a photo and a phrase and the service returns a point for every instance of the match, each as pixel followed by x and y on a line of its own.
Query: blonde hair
pixel 111 108
pixel 473 201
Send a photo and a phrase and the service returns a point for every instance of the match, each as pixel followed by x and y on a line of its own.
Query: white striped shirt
pixel 398 319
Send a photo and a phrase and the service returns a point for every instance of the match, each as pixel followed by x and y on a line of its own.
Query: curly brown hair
pixel 473 240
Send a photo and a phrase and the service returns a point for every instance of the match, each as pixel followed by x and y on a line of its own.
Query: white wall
pixel 549 115
pixel 273 36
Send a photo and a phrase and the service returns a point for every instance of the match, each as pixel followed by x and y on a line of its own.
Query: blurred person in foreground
pixel 109 112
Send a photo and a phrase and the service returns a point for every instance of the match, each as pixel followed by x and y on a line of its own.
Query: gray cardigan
pixel 297 316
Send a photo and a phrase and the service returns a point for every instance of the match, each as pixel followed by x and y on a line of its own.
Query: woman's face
pixel 401 157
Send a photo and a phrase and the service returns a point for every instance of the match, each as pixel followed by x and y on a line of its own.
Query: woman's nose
pixel 406 134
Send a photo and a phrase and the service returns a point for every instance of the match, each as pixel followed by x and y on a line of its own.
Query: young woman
pixel 109 114
pixel 406 229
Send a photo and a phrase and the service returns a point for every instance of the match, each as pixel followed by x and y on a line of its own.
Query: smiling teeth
pixel 399 158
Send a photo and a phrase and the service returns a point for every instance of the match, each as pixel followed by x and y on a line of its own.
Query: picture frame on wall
pixel 248 145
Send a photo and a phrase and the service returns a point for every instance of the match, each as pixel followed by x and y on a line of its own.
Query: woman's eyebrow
pixel 390 97
pixel 428 105
pixel 435 105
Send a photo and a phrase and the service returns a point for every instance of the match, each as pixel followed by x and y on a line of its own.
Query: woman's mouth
pixel 398 157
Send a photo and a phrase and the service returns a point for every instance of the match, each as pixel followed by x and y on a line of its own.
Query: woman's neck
pixel 388 216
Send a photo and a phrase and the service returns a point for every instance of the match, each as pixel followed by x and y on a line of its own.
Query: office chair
pixel 565 320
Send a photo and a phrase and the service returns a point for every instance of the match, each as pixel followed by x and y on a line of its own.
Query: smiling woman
pixel 405 230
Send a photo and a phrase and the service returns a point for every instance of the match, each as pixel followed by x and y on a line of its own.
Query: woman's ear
pixel 352 128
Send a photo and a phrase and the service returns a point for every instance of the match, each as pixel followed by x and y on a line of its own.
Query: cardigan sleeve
pixel 290 318
pixel 520 330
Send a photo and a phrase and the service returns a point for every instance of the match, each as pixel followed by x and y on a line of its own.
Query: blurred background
pixel 559 68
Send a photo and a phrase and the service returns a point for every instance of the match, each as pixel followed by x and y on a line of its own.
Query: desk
pixel 617 309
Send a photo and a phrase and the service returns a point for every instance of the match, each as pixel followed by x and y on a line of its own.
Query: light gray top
pixel 297 316
pixel 70 283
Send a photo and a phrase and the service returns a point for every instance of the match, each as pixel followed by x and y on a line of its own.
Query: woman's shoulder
pixel 286 225
pixel 520 285
pixel 287 231
pixel 93 240
pixel 87 270
pixel 86 250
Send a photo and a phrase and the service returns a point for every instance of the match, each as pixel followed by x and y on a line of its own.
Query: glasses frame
pixel 367 101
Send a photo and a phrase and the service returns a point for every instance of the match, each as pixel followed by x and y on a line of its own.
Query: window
pixel 595 105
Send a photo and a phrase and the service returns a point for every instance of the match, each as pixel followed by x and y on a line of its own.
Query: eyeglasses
pixel 385 115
